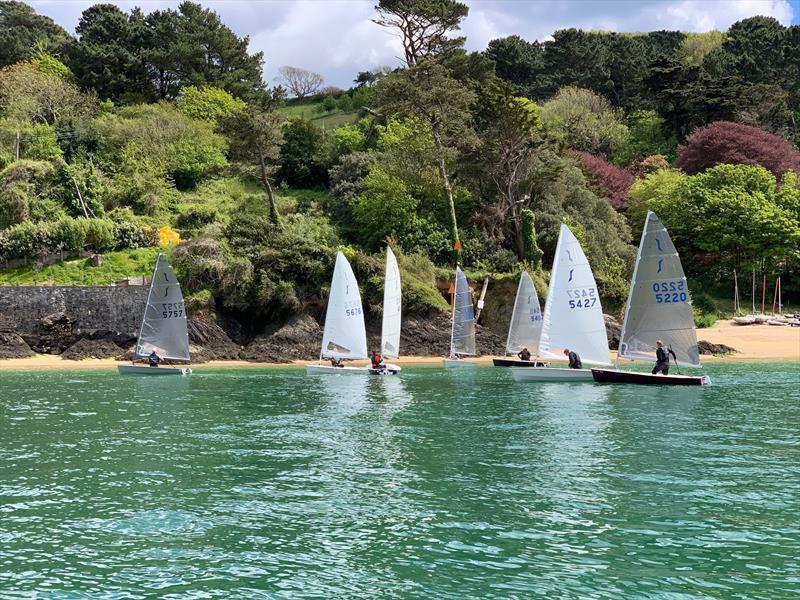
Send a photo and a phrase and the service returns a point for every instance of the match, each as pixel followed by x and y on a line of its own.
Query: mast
pixel 453 316
pixel 736 307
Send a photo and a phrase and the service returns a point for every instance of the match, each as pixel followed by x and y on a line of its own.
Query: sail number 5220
pixel 670 292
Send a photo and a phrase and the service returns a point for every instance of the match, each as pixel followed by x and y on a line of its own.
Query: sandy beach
pixel 754 342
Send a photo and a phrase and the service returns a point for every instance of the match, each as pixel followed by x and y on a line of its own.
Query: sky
pixel 337 38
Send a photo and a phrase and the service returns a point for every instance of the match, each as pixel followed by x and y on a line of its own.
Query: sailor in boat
pixel 524 354
pixel 574 359
pixel 154 359
pixel 662 359
pixel 377 361
pixel 337 362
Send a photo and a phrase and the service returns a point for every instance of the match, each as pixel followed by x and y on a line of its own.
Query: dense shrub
pixel 609 180
pixel 195 218
pixel 208 103
pixel 724 142
pixel 301 155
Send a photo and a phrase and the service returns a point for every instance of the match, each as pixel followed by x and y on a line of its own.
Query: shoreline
pixel 754 343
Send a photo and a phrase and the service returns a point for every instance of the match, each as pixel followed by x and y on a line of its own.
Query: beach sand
pixel 754 342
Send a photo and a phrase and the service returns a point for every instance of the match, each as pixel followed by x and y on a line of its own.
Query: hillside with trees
pixel 156 128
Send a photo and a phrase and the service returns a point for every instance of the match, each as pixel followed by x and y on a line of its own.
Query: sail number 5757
pixel 172 310
pixel 670 292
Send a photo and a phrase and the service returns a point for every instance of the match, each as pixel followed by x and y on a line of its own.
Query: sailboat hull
pixel 330 370
pixel 450 363
pixel 390 369
pixel 550 375
pixel 613 376
pixel 513 362
pixel 152 371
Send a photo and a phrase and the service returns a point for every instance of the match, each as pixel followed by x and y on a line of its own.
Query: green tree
pixel 209 104
pixel 582 120
pixel 301 154
pixel 257 138
pixel 424 25
pixel 22 30
pixel 428 92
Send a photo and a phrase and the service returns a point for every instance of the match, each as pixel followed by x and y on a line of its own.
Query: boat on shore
pixel 344 336
pixel 392 314
pixel 462 329
pixel 573 317
pixel 525 326
pixel 164 327
pixel 659 308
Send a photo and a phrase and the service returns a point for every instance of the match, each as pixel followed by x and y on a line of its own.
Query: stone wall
pixel 117 309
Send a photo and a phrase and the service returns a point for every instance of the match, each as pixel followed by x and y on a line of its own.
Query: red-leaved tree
pixel 608 180
pixel 725 142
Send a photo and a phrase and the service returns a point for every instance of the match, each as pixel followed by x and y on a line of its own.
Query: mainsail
pixel 462 341
pixel 526 319
pixel 163 327
pixel 573 316
pixel 344 335
pixel 659 305
pixel 392 306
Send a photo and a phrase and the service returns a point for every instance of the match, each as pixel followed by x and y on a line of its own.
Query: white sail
pixel 345 335
pixel 462 340
pixel 573 315
pixel 392 306
pixel 164 323
pixel 659 305
pixel 526 319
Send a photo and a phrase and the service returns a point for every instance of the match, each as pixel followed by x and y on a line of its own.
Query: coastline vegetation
pixel 109 137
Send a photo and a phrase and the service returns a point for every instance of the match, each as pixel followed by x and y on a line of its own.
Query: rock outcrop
pixel 13 346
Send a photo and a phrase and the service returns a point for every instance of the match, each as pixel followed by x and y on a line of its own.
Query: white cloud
pixel 337 37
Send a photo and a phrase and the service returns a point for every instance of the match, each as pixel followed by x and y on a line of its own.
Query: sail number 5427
pixel 582 298
pixel 670 292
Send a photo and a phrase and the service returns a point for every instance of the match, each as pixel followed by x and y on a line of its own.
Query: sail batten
pixel 392 308
pixel 573 316
pixel 462 338
pixel 164 325
pixel 659 305
pixel 344 335
pixel 526 318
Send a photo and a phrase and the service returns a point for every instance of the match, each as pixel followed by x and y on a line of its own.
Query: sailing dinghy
pixel 163 328
pixel 345 336
pixel 392 310
pixel 462 333
pixel 573 316
pixel 525 327
pixel 659 308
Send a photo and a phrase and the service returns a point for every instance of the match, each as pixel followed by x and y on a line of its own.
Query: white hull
pixel 329 370
pixel 450 363
pixel 744 320
pixel 550 374
pixel 390 369
pixel 142 370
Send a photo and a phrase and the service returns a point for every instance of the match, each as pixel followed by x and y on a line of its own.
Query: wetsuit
pixel 662 361
pixel 575 361
pixel 153 360
pixel 524 355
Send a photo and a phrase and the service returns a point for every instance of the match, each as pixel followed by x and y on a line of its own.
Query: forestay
pixel 659 305
pixel 392 306
pixel 163 327
pixel 344 335
pixel 462 341
pixel 573 315
pixel 526 319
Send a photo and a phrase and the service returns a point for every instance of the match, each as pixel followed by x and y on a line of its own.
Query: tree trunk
pixel 519 242
pixel 273 208
pixel 449 191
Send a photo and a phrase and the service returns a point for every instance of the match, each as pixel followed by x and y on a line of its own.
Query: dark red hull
pixel 614 376
pixel 513 362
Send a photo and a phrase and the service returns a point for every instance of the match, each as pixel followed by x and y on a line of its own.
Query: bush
pixel 25 240
pixel 195 218
pixel 211 104
pixel 609 181
pixel 725 142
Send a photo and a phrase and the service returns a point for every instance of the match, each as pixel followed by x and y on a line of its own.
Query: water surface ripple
pixel 269 484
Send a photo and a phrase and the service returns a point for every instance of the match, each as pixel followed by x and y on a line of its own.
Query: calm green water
pixel 266 483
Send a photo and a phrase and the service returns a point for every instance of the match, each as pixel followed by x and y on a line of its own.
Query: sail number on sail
pixel 351 309
pixel 171 310
pixel 670 292
pixel 582 298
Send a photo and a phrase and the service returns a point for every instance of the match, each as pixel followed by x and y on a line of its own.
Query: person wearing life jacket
pixel 662 360
pixel 154 359
pixel 377 361
pixel 574 359
pixel 524 354
pixel 337 362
